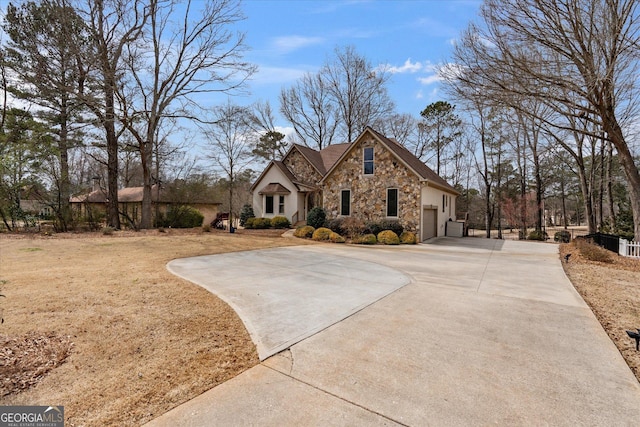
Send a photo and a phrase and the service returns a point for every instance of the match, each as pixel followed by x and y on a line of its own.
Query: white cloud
pixel 407 67
pixel 420 94
pixel 288 44
pixel 277 75
pixel 434 78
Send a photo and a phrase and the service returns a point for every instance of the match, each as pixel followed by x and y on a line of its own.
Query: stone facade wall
pixel 301 168
pixel 369 192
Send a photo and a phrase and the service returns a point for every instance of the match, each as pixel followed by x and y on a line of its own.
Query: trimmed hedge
pixel 280 222
pixel 261 223
pixel 305 232
pixel 321 234
pixel 376 227
pixel 336 238
pixel 367 239
pixel 408 238
pixel 388 237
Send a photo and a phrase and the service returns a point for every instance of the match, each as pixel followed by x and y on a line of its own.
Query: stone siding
pixel 301 168
pixel 369 192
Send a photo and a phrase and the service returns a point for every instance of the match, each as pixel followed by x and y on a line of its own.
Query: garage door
pixel 429 223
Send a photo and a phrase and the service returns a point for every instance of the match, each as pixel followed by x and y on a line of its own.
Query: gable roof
pixel 281 166
pixel 424 172
pixel 321 160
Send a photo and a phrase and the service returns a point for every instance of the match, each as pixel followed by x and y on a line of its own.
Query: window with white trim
pixel 268 202
pixel 367 161
pixel 345 202
pixel 281 205
pixel 392 202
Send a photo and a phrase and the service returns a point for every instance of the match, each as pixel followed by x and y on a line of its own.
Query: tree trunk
pixel 612 128
pixel 612 212
pixel 64 190
pixel 113 216
pixel 146 157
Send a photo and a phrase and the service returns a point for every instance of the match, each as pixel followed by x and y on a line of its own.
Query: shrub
pixel 562 236
pixel 367 239
pixel 316 217
pixel 336 238
pixel 306 231
pixel 280 222
pixel 246 213
pixel 375 227
pixel 206 228
pixel 388 237
pixel 107 231
pixel 337 225
pixel 182 217
pixel 248 223
pixel 408 238
pixel 261 223
pixel 538 235
pixel 353 227
pixel 321 234
pixel 593 252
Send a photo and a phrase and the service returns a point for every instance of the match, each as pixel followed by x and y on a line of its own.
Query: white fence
pixel 629 249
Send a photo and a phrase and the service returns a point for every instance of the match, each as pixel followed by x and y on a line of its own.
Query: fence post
pixel 623 247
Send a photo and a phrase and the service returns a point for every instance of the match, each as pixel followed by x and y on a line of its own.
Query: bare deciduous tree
pixel 579 57
pixel 308 107
pixel 230 138
pixel 182 53
pixel 358 91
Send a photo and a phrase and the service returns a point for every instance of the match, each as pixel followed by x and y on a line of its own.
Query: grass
pixel 140 341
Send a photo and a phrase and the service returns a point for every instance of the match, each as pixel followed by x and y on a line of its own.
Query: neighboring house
pixel 94 204
pixel 371 179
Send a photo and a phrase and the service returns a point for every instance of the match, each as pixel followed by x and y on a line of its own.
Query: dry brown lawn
pixel 96 323
pixel 612 290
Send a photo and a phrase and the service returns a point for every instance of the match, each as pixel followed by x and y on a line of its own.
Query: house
pixel 94 204
pixel 371 179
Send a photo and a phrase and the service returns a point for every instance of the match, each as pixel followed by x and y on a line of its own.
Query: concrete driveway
pixel 470 332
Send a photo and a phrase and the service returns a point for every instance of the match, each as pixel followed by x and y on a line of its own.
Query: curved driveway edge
pixel 487 333
pixel 285 295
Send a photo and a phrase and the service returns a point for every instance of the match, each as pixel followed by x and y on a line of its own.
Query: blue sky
pixel 288 38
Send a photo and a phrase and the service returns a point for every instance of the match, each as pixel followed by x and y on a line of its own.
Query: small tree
pixel 316 217
pixel 246 213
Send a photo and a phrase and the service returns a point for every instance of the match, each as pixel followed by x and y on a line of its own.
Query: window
pixel 368 161
pixel 281 205
pixel 392 202
pixel 444 201
pixel 345 203
pixel 268 209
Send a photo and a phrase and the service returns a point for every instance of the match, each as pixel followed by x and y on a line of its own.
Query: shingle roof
pixel 331 154
pixel 126 195
pixel 274 188
pixel 313 157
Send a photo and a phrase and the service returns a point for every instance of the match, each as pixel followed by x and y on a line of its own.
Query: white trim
pixel 350 201
pixel 397 216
